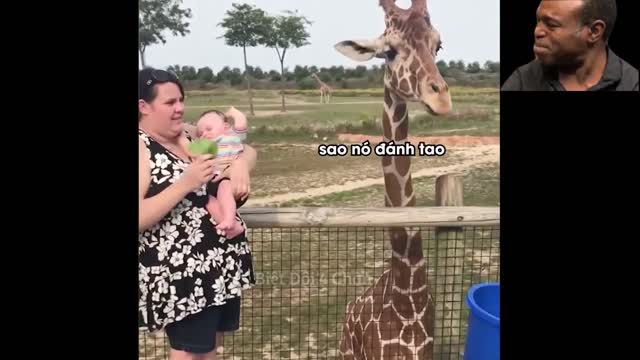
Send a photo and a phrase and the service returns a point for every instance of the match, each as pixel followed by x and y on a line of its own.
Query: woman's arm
pixel 239 171
pixel 249 156
pixel 153 209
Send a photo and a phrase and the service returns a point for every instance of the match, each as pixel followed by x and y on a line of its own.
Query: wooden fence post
pixel 449 280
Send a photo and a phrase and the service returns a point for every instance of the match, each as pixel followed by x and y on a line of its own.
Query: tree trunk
pixel 142 57
pixel 283 83
pixel 246 75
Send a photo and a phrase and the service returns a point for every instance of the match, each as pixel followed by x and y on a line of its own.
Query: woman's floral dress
pixel 184 265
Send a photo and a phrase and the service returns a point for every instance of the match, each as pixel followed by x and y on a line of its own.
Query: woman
pixel 190 278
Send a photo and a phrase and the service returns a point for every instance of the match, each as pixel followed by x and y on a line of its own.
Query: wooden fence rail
pixel 406 216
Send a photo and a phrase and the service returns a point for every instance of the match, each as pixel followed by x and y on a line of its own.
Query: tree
pixel 244 26
pixel 205 74
pixel 258 73
pixel 285 32
pixel 324 76
pixel 156 17
pixel 176 70
pixel 224 75
pixel 274 75
pixel 442 67
pixel 188 73
pixel 300 72
pixel 473 68
pixel 360 71
pixel 492 67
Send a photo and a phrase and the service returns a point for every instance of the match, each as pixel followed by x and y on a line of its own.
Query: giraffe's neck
pixel 406 246
pixel 408 282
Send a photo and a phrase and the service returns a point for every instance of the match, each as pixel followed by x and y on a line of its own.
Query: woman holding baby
pixel 191 271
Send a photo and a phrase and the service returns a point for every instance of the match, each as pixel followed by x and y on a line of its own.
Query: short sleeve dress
pixel 184 266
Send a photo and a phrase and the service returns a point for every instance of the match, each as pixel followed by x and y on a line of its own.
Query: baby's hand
pixel 239 119
pixel 233 112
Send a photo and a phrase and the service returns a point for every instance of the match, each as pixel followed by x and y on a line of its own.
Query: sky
pixel 469 29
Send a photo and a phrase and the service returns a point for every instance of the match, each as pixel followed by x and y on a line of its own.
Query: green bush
pixel 306 83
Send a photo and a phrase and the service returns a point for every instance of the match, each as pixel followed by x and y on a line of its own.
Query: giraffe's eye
pixel 390 54
pixel 439 47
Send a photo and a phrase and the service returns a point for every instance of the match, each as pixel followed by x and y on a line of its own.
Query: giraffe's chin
pixel 430 110
pixel 437 107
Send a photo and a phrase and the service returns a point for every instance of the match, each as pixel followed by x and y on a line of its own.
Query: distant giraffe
pixel 394 318
pixel 325 90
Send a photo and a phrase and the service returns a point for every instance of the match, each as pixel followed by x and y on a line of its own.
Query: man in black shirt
pixel 571 50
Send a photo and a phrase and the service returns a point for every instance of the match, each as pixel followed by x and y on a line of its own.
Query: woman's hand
pixel 238 173
pixel 239 176
pixel 152 209
pixel 199 172
pixel 220 166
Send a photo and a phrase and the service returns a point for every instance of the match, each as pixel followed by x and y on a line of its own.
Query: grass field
pixel 306 276
pixel 475 112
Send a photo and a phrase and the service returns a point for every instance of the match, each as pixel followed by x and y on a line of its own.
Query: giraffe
pixel 394 318
pixel 325 90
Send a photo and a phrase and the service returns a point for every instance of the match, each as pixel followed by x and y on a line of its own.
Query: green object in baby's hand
pixel 203 146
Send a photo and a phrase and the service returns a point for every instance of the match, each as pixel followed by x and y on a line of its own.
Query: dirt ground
pixel 463 152
pixel 448 141
pixel 260 113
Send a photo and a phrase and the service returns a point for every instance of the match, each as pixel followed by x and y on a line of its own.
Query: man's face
pixel 559 37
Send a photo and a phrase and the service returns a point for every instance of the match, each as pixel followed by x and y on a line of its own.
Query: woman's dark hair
pixel 148 78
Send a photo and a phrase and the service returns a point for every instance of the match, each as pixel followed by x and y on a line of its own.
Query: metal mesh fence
pixel 306 276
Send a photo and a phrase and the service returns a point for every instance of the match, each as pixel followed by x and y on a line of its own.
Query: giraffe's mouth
pixel 437 105
pixel 430 110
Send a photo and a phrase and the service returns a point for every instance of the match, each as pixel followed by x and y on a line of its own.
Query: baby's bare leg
pixel 229 224
pixel 225 196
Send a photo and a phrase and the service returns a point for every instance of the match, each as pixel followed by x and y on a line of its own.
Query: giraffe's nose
pixel 437 88
pixel 436 96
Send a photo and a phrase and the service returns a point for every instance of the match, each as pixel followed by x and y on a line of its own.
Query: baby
pixel 228 130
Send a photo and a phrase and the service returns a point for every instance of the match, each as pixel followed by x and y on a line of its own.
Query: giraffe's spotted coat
pixel 394 318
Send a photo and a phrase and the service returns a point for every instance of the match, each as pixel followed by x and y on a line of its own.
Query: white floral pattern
pixel 184 265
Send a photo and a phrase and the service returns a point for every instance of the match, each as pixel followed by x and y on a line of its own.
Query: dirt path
pixel 473 156
pixel 448 141
pixel 295 104
pixel 259 113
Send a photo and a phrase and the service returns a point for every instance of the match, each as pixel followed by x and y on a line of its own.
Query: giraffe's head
pixel 409 46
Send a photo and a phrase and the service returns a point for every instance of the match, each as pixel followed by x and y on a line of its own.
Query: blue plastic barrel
pixel 483 332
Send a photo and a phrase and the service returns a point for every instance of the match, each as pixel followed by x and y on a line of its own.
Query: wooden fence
pixel 311 261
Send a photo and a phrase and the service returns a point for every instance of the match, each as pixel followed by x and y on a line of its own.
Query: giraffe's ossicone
pixel 394 318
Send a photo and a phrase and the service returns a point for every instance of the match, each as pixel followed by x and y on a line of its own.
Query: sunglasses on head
pixel 161 76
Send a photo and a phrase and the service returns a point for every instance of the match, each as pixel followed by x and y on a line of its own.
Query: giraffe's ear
pixel 361 50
